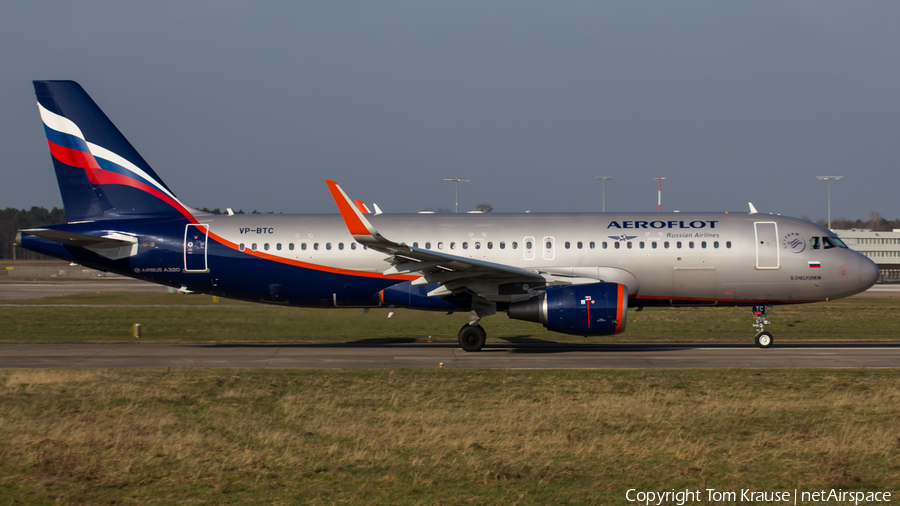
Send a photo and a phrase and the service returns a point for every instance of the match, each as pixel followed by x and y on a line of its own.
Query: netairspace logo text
pixel 746 495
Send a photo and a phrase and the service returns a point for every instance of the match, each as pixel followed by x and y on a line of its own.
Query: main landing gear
pixel 763 339
pixel 472 337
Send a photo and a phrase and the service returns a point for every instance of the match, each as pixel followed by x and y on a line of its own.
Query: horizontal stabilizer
pixel 113 245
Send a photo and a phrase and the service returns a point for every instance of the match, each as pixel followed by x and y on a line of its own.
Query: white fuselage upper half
pixel 680 257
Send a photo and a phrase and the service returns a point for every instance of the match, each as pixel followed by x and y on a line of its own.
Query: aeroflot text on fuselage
pixel 663 224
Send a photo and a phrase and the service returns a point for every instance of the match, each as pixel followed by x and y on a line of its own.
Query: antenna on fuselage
pixel 752 209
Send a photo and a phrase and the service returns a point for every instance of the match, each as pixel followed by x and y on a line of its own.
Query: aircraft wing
pixel 453 273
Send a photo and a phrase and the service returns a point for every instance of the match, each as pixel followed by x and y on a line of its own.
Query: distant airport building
pixel 882 247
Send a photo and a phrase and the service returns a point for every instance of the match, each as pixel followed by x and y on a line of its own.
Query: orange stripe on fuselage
pixel 308 265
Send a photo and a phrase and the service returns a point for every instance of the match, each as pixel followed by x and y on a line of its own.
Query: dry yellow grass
pixel 422 437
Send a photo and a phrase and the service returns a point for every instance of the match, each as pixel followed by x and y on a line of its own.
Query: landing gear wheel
pixel 472 337
pixel 763 339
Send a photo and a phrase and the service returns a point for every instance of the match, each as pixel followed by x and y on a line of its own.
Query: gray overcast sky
pixel 252 105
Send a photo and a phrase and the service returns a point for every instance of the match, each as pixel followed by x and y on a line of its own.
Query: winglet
pixel 362 206
pixel 752 209
pixel 358 225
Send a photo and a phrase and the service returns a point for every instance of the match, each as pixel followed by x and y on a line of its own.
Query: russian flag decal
pixel 814 265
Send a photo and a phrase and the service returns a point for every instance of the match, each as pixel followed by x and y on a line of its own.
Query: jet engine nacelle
pixel 597 309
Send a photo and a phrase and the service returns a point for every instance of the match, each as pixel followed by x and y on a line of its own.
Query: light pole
pixel 659 189
pixel 457 180
pixel 604 179
pixel 829 178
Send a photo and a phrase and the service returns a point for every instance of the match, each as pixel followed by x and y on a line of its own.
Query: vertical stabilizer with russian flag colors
pixel 100 174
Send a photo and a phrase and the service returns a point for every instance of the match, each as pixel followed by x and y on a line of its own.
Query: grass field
pixel 108 317
pixel 185 436
pixel 439 436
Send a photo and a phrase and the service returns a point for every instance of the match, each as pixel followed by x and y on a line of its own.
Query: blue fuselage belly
pixel 160 259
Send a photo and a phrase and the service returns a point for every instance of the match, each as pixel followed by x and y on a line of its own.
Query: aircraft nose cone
pixel 868 272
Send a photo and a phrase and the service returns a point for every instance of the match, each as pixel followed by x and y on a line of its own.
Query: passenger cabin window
pixel 490 245
pixel 580 245
pixel 641 244
pixel 605 245
pixel 666 245
pixel 691 245
pixel 528 245
pixel 618 244
pixel 291 246
pixel 653 244
pixel 428 245
pixel 716 244
pixel 340 245
pixel 266 246
pixel 728 244
pixel 678 244
pixel 592 244
pixel 502 245
pixel 303 246
pixel 241 247
pixel 316 246
pixel 465 245
pixel 278 246
pixel 477 245
pixel 440 245
pixel 253 246
pixel 703 244
pixel 328 246
pixel 549 245
pixel 452 245
pixel 415 245
pixel 629 244
pixel 515 245
pixel 568 245
pixel 352 245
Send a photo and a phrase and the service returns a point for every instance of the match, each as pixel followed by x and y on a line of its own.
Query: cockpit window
pixel 814 243
pixel 828 243
pixel 838 242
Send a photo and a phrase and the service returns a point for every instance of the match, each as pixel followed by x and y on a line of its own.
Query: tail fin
pixel 101 176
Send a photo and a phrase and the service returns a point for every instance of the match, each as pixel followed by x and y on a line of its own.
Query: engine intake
pixel 597 309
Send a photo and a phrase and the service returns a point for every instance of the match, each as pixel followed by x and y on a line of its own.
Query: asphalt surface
pixel 15 289
pixel 424 355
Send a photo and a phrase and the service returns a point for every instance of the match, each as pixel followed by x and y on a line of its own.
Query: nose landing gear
pixel 763 339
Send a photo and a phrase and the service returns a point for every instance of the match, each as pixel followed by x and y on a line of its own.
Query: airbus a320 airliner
pixel 574 273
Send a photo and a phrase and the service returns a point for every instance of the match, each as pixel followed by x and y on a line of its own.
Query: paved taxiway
pixel 27 289
pixel 424 355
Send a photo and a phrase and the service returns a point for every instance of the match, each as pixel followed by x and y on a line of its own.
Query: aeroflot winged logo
pixel 622 237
